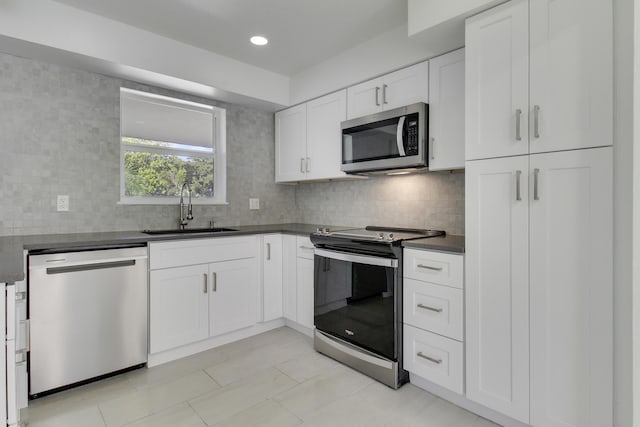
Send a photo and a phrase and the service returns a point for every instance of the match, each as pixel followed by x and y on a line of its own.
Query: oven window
pixel 356 302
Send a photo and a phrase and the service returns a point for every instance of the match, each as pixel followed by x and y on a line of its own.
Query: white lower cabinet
pixel 433 317
pixel 539 287
pixel 233 295
pixel 190 303
pixel 297 253
pixel 435 358
pixel 178 307
pixel 272 277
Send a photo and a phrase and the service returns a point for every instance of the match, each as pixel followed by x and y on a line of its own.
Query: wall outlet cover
pixel 254 204
pixel 63 203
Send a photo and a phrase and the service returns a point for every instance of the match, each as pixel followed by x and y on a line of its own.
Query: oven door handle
pixel 361 259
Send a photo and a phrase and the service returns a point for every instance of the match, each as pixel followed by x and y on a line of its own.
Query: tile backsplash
pixel 59 134
pixel 431 200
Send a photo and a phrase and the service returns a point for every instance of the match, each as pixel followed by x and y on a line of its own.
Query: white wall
pixel 636 219
pixel 379 55
pixel 623 220
pixel 425 14
pixel 130 50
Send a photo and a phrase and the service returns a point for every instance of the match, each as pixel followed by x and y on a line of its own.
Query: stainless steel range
pixel 358 298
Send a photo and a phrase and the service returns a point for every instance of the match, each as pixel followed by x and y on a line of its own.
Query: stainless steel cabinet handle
pixel 377 95
pixel 536 121
pixel 518 119
pixel 432 148
pixel 268 251
pixel 206 283
pixel 428 267
pixel 429 358
pixel 301 164
pixel 426 307
pixel 21 296
pixel 307 163
pixel 307 248
pixel 518 195
pixel 536 172
pixel 384 94
pixel 215 282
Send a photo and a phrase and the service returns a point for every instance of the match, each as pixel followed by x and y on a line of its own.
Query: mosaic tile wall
pixel 432 200
pixel 59 134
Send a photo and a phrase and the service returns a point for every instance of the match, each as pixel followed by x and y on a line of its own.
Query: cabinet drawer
pixel 434 358
pixel 201 251
pixel 434 308
pixel 304 247
pixel 435 267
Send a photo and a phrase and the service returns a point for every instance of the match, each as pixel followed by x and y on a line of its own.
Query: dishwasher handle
pixel 86 267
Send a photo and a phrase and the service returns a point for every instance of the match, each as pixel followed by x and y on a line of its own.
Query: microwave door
pixel 400 136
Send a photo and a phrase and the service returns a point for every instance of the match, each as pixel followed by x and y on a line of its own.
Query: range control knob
pixel 381 235
pixel 318 230
pixel 390 236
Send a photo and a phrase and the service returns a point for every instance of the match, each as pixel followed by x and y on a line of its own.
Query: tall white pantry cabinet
pixel 539 211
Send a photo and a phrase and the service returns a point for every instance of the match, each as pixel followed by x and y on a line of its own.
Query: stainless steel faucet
pixel 184 219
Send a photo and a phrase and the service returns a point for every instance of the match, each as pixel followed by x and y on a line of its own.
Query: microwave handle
pixel 399 136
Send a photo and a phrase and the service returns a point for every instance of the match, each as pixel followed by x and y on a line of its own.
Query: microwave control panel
pixel 412 135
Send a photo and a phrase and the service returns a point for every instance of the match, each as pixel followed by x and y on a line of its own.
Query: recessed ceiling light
pixel 259 40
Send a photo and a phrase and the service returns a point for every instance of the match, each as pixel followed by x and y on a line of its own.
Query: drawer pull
pixel 426 307
pixel 430 359
pixel 428 267
pixel 308 248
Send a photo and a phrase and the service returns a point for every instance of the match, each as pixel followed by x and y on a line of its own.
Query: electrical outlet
pixel 63 203
pixel 254 204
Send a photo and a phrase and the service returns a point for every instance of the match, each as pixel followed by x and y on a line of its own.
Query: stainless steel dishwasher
pixel 88 316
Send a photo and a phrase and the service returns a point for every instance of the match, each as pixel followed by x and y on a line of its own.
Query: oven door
pixel 355 299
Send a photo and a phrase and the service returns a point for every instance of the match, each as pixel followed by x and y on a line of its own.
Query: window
pixel 166 142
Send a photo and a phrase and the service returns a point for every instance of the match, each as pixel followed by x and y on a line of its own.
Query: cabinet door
pixel 571 94
pixel 364 98
pixel 572 289
pixel 289 279
pixel 178 307
pixel 291 143
pixel 497 82
pixel 305 292
pixel 406 86
pixel 497 285
pixel 233 296
pixel 272 277
pixel 446 111
pixel 324 137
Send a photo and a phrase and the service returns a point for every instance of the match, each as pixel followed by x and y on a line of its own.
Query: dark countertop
pixel 448 243
pixel 12 247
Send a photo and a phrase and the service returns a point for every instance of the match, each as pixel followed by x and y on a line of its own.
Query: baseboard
pixel 298 327
pixel 213 342
pixel 463 402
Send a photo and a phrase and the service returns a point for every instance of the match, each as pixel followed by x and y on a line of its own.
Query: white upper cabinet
pixel 497 82
pixel 446 111
pixel 324 137
pixel 539 77
pixel 291 143
pixel 497 284
pixel 403 87
pixel 571 50
pixel 571 288
pixel 309 140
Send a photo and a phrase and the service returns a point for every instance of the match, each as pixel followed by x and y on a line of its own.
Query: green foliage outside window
pixel 162 175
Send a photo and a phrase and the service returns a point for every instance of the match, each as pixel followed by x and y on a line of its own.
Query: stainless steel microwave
pixel 386 141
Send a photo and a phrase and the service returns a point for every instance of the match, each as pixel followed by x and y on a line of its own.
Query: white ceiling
pixel 301 33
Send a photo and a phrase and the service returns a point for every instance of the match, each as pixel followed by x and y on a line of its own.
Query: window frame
pixel 219 156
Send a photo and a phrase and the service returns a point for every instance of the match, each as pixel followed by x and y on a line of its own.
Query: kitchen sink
pixel 189 231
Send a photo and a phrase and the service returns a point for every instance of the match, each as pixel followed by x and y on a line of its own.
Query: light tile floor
pixel 273 379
